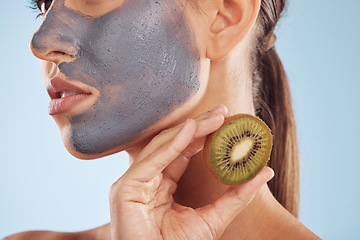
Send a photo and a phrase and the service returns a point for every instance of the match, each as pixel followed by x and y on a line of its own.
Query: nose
pixel 54 41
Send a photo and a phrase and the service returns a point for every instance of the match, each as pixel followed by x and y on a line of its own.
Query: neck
pixel 232 86
pixel 264 217
pixel 197 187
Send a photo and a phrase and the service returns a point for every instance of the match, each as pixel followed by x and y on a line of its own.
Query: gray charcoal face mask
pixel 141 57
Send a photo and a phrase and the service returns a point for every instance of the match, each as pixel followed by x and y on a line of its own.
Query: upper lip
pixel 57 86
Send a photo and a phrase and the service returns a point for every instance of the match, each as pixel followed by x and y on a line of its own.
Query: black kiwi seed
pixel 239 149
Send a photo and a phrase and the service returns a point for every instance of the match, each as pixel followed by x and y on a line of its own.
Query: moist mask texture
pixel 141 57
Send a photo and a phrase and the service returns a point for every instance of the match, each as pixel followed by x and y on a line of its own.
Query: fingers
pixel 177 168
pixel 154 164
pixel 219 214
pixel 173 148
pixel 206 123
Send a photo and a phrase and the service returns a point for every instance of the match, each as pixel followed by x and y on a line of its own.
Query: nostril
pixel 53 45
pixel 55 53
pixel 58 57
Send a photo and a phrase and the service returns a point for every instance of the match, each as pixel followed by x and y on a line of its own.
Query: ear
pixel 232 22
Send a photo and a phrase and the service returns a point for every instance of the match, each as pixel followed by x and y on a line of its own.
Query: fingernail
pixel 272 174
pixel 212 112
pixel 220 107
pixel 216 110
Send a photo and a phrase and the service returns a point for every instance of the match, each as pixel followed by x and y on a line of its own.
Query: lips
pixel 65 96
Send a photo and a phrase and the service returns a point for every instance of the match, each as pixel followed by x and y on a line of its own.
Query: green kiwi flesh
pixel 240 149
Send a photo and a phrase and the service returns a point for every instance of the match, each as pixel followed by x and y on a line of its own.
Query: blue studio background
pixel 43 187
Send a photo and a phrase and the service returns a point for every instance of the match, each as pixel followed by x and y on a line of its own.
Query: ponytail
pixel 274 107
pixel 272 101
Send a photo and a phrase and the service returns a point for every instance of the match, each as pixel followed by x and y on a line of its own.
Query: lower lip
pixel 62 105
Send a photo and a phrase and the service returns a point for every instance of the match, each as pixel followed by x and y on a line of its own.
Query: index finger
pixel 153 165
pixel 202 127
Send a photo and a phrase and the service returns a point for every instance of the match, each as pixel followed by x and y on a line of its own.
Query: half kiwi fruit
pixel 239 149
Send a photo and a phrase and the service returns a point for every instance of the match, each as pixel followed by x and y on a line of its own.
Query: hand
pixel 141 202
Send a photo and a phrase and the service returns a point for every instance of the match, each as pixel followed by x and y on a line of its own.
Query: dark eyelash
pixel 33 5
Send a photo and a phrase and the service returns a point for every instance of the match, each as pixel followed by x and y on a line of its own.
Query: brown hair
pixel 272 102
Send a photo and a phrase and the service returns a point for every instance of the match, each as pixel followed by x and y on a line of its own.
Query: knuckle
pixel 219 227
pixel 175 149
pixel 116 186
pixel 215 231
pixel 192 150
pixel 187 154
pixel 238 196
pixel 113 190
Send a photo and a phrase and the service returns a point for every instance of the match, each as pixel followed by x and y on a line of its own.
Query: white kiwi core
pixel 241 149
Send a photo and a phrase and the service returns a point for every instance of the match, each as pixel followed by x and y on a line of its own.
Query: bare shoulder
pixel 100 233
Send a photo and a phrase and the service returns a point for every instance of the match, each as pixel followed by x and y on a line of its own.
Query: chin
pixel 65 130
pixel 65 133
pixel 85 156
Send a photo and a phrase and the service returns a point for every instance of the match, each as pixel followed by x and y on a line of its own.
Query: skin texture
pixel 167 193
pixel 141 58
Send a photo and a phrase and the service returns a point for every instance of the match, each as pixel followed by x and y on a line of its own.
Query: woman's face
pixel 114 69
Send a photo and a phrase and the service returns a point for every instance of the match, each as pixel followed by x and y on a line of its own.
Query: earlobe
pixel 233 21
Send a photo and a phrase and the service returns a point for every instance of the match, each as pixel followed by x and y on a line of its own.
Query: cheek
pixel 144 65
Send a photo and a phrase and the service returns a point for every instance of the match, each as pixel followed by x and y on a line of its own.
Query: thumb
pixel 220 213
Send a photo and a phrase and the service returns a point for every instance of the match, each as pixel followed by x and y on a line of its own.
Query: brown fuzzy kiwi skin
pixel 210 138
pixel 206 154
